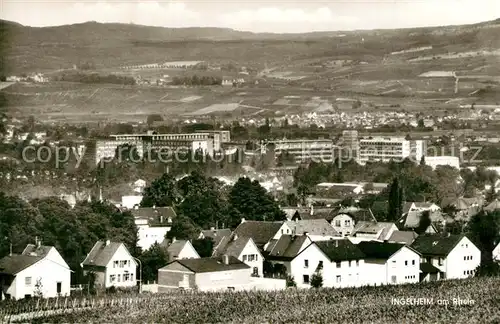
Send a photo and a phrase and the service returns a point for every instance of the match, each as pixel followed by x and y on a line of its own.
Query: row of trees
pixel 96 78
pixel 196 80
pixel 203 202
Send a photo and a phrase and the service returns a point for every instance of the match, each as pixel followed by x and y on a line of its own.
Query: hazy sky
pixel 255 15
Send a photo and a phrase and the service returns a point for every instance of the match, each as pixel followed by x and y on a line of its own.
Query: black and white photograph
pixel 229 161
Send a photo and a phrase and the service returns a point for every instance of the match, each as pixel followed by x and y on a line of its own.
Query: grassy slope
pixel 364 305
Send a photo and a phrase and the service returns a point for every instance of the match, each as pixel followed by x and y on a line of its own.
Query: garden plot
pixel 228 107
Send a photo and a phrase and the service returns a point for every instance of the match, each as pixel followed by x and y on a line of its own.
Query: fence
pixel 25 310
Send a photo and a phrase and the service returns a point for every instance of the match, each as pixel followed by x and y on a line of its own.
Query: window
pixel 357 263
pixel 320 265
pixel 337 223
pixel 393 263
pixel 465 258
pixel 338 264
pixel 306 263
pixel 255 271
pixel 394 279
pixel 306 279
pixel 131 277
pixel 406 262
pixel 59 287
pixel 440 261
pixel 119 277
pixel 347 223
pixel 282 231
pixel 115 264
pixel 256 257
pixel 112 278
pixel 350 264
pixel 126 277
pixel 244 258
pixel 27 281
pixel 338 279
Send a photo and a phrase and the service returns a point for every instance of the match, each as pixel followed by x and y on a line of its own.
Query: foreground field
pixel 480 304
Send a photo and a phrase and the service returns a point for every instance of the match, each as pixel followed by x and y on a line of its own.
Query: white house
pixel 181 249
pixel 420 206
pixel 346 219
pixel 205 274
pixel 455 256
pixel 339 262
pixel 112 264
pixel 38 271
pixel 243 249
pixel 131 202
pixel 152 224
pixel 496 253
pixel 389 263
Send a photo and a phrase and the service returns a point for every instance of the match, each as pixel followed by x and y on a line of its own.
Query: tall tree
pixel 395 207
pixel 249 200
pixel 161 193
pixel 424 222
pixel 204 247
pixel 153 259
pixel 183 228
pixel 484 231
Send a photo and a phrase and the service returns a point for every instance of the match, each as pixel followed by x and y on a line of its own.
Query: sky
pixel 255 15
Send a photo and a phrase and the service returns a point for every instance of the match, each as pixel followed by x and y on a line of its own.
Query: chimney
pixel 235 237
pixel 225 259
pixel 306 233
pixel 242 220
pixel 336 243
pixel 161 219
pixel 212 228
pixel 154 206
pixel 173 239
pixel 312 210
pixel 108 242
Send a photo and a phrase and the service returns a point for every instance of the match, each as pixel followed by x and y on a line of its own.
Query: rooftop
pixel 101 254
pixel 436 244
pixel 380 250
pixel 287 247
pixel 260 231
pixel 340 250
pixel 211 264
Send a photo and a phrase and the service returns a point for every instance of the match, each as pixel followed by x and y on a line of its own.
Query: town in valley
pixel 193 175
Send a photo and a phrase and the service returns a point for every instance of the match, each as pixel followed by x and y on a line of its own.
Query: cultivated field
pixel 479 298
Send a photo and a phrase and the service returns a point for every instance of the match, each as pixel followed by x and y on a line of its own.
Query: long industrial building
pixel 207 142
pixel 320 150
pixel 385 149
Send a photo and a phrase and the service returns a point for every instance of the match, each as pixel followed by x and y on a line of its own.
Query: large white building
pixel 320 150
pixel 385 149
pixel 207 142
pixel 435 161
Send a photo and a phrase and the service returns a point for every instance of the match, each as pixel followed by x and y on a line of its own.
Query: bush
pixel 317 280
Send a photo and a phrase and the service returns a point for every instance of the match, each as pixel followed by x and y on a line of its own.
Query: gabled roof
pixel 101 254
pixel 14 264
pixel 33 250
pixel 494 205
pixel 436 244
pixel 312 226
pixel 418 204
pixel 340 250
pixel 304 213
pixel 287 247
pixel 428 268
pixel 210 264
pixel 373 228
pixel 380 250
pixel 261 232
pixel 176 247
pixel 406 237
pixel 233 246
pixel 358 214
pixel 216 234
pixel 412 218
pixel 153 214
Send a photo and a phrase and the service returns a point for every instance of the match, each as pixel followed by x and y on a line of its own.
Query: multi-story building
pixel 350 143
pixel 320 150
pixel 206 142
pixel 385 149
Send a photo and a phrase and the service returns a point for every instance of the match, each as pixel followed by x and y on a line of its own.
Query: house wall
pixel 457 266
pixel 147 236
pixel 375 272
pixel 284 229
pixel 351 274
pixel 344 224
pixel 121 254
pixel 175 276
pixel 221 280
pixel 404 265
pixel 49 273
pixel 249 249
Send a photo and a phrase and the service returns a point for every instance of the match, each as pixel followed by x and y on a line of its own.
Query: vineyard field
pixel 480 304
